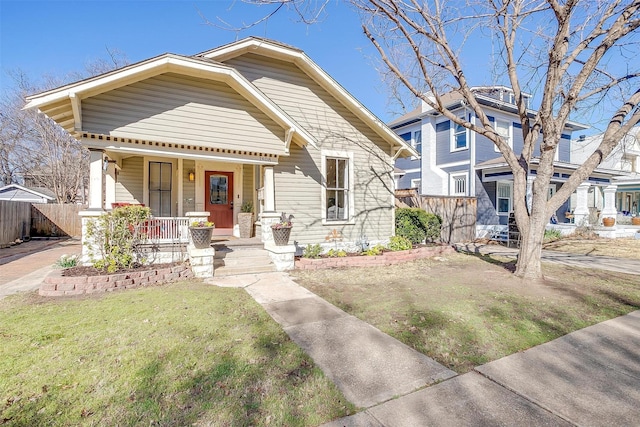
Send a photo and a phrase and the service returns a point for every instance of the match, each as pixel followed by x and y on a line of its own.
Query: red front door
pixel 218 198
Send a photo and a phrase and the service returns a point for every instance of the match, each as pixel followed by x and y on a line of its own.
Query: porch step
pixel 241 259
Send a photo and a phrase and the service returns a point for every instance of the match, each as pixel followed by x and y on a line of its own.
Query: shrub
pixel 417 225
pixel 312 251
pixel 116 237
pixel 376 250
pixel 399 243
pixel 339 253
pixel 552 235
pixel 67 261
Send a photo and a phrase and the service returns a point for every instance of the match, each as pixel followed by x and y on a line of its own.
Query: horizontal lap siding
pixel 298 176
pixel 179 109
pixel 130 180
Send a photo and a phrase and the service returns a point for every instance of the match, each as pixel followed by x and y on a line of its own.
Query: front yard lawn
pixel 464 311
pixel 174 355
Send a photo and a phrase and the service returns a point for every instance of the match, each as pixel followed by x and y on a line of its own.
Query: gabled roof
pixel 38 192
pixel 63 104
pixel 277 50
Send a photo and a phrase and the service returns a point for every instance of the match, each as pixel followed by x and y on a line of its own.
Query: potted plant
pixel 635 220
pixel 608 221
pixel 201 232
pixel 282 229
pixel 245 220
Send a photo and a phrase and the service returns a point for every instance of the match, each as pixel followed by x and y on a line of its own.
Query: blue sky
pixel 58 37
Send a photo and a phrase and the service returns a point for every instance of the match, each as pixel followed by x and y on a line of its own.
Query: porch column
pixel 609 210
pixel 110 184
pixel 581 212
pixel 96 180
pixel 269 190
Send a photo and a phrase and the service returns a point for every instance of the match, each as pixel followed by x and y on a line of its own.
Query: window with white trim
pixel 460 137
pixel 459 184
pixel 337 188
pixel 504 197
pixel 417 141
pixel 503 128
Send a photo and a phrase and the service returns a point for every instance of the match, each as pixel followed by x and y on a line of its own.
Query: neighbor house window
pixel 337 188
pixel 503 128
pixel 417 141
pixel 160 188
pixel 503 197
pixel 459 137
pixel 459 184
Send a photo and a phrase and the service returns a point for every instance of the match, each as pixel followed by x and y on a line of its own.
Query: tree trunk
pixel 531 236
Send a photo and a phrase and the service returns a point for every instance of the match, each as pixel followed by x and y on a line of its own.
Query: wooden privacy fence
pixel 15 218
pixel 56 219
pixel 458 213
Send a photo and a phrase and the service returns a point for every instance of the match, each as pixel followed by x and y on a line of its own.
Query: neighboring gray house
pixel 18 193
pixel 625 160
pixel 455 161
pixel 254 120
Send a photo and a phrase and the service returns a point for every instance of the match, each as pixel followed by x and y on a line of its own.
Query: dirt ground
pixel 623 248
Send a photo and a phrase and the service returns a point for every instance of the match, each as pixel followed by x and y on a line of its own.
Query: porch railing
pixel 166 230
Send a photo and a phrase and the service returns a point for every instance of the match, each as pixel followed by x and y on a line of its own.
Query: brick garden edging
pixel 55 284
pixel 387 258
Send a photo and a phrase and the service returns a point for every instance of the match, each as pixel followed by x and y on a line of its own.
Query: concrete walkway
pixel 620 265
pixel 23 267
pixel 589 377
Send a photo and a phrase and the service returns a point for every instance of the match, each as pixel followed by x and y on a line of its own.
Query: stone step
pixel 223 271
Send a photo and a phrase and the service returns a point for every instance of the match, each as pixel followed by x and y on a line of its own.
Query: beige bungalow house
pixel 254 120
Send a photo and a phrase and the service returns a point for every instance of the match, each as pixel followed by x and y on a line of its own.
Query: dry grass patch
pixel 622 248
pixel 464 310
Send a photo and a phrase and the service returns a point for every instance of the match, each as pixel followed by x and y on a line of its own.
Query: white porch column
pixel 110 184
pixel 269 190
pixel 581 212
pixel 96 180
pixel 609 210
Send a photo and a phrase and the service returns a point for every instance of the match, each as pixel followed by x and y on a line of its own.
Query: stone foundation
pixel 55 284
pixel 387 258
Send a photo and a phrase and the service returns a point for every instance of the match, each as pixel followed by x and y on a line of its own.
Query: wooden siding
pixel 247 183
pixel 188 187
pixel 298 179
pixel 16 219
pixel 184 110
pixel 130 185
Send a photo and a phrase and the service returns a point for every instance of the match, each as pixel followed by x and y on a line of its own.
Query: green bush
pixel 552 235
pixel 399 243
pixel 339 253
pixel 417 225
pixel 376 250
pixel 116 237
pixel 312 251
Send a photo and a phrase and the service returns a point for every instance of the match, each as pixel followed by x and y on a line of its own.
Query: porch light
pixel 192 176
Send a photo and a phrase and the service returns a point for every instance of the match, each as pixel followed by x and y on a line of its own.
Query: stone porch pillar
pixel 581 212
pixel 609 210
pixel 96 180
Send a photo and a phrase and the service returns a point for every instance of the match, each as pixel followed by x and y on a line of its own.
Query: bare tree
pixel 566 50
pixel 34 148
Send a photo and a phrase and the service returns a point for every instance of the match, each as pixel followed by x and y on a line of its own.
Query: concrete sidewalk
pixel 620 265
pixel 589 377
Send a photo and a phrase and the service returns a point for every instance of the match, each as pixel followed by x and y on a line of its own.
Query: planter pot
pixel 608 222
pixel 201 236
pixel 281 235
pixel 635 220
pixel 245 224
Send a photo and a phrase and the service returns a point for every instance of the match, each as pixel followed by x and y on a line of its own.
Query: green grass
pixel 465 311
pixel 181 354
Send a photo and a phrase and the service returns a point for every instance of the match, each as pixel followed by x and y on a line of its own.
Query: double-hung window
pixel 460 137
pixel 503 198
pixel 503 128
pixel 417 141
pixel 337 190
